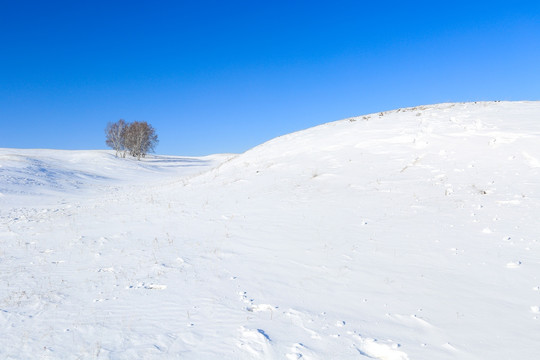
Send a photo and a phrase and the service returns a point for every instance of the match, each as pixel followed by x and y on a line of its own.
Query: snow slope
pixel 45 175
pixel 410 234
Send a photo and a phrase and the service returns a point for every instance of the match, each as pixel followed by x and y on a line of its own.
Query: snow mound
pixel 407 234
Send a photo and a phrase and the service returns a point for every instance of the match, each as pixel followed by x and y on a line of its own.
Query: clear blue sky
pixel 224 76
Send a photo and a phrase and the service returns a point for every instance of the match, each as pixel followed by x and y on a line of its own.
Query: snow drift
pixel 409 234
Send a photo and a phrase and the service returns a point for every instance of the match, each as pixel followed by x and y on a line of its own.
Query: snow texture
pixel 402 235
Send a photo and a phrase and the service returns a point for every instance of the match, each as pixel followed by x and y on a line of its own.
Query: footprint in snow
pixel 300 351
pixel 380 350
pixel 256 342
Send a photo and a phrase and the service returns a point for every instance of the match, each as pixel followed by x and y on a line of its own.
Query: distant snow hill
pixel 407 234
pixel 61 173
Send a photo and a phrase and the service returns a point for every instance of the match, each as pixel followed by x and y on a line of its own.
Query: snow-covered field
pixel 409 234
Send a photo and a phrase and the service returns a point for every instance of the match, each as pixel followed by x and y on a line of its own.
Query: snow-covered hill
pixel 410 234
pixel 45 176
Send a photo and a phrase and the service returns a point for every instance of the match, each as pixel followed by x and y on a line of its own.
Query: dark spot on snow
pixel 261 331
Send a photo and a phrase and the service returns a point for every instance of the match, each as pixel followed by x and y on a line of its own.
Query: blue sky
pixel 224 76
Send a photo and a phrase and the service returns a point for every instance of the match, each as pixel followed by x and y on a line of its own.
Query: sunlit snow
pixel 408 234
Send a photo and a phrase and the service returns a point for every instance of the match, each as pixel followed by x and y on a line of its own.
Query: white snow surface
pixel 409 234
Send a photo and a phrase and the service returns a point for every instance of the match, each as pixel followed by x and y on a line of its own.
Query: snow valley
pixel 408 234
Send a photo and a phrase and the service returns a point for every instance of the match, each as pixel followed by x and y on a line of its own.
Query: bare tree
pixel 115 136
pixel 140 138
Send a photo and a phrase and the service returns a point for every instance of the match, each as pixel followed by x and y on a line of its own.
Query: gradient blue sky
pixel 224 76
